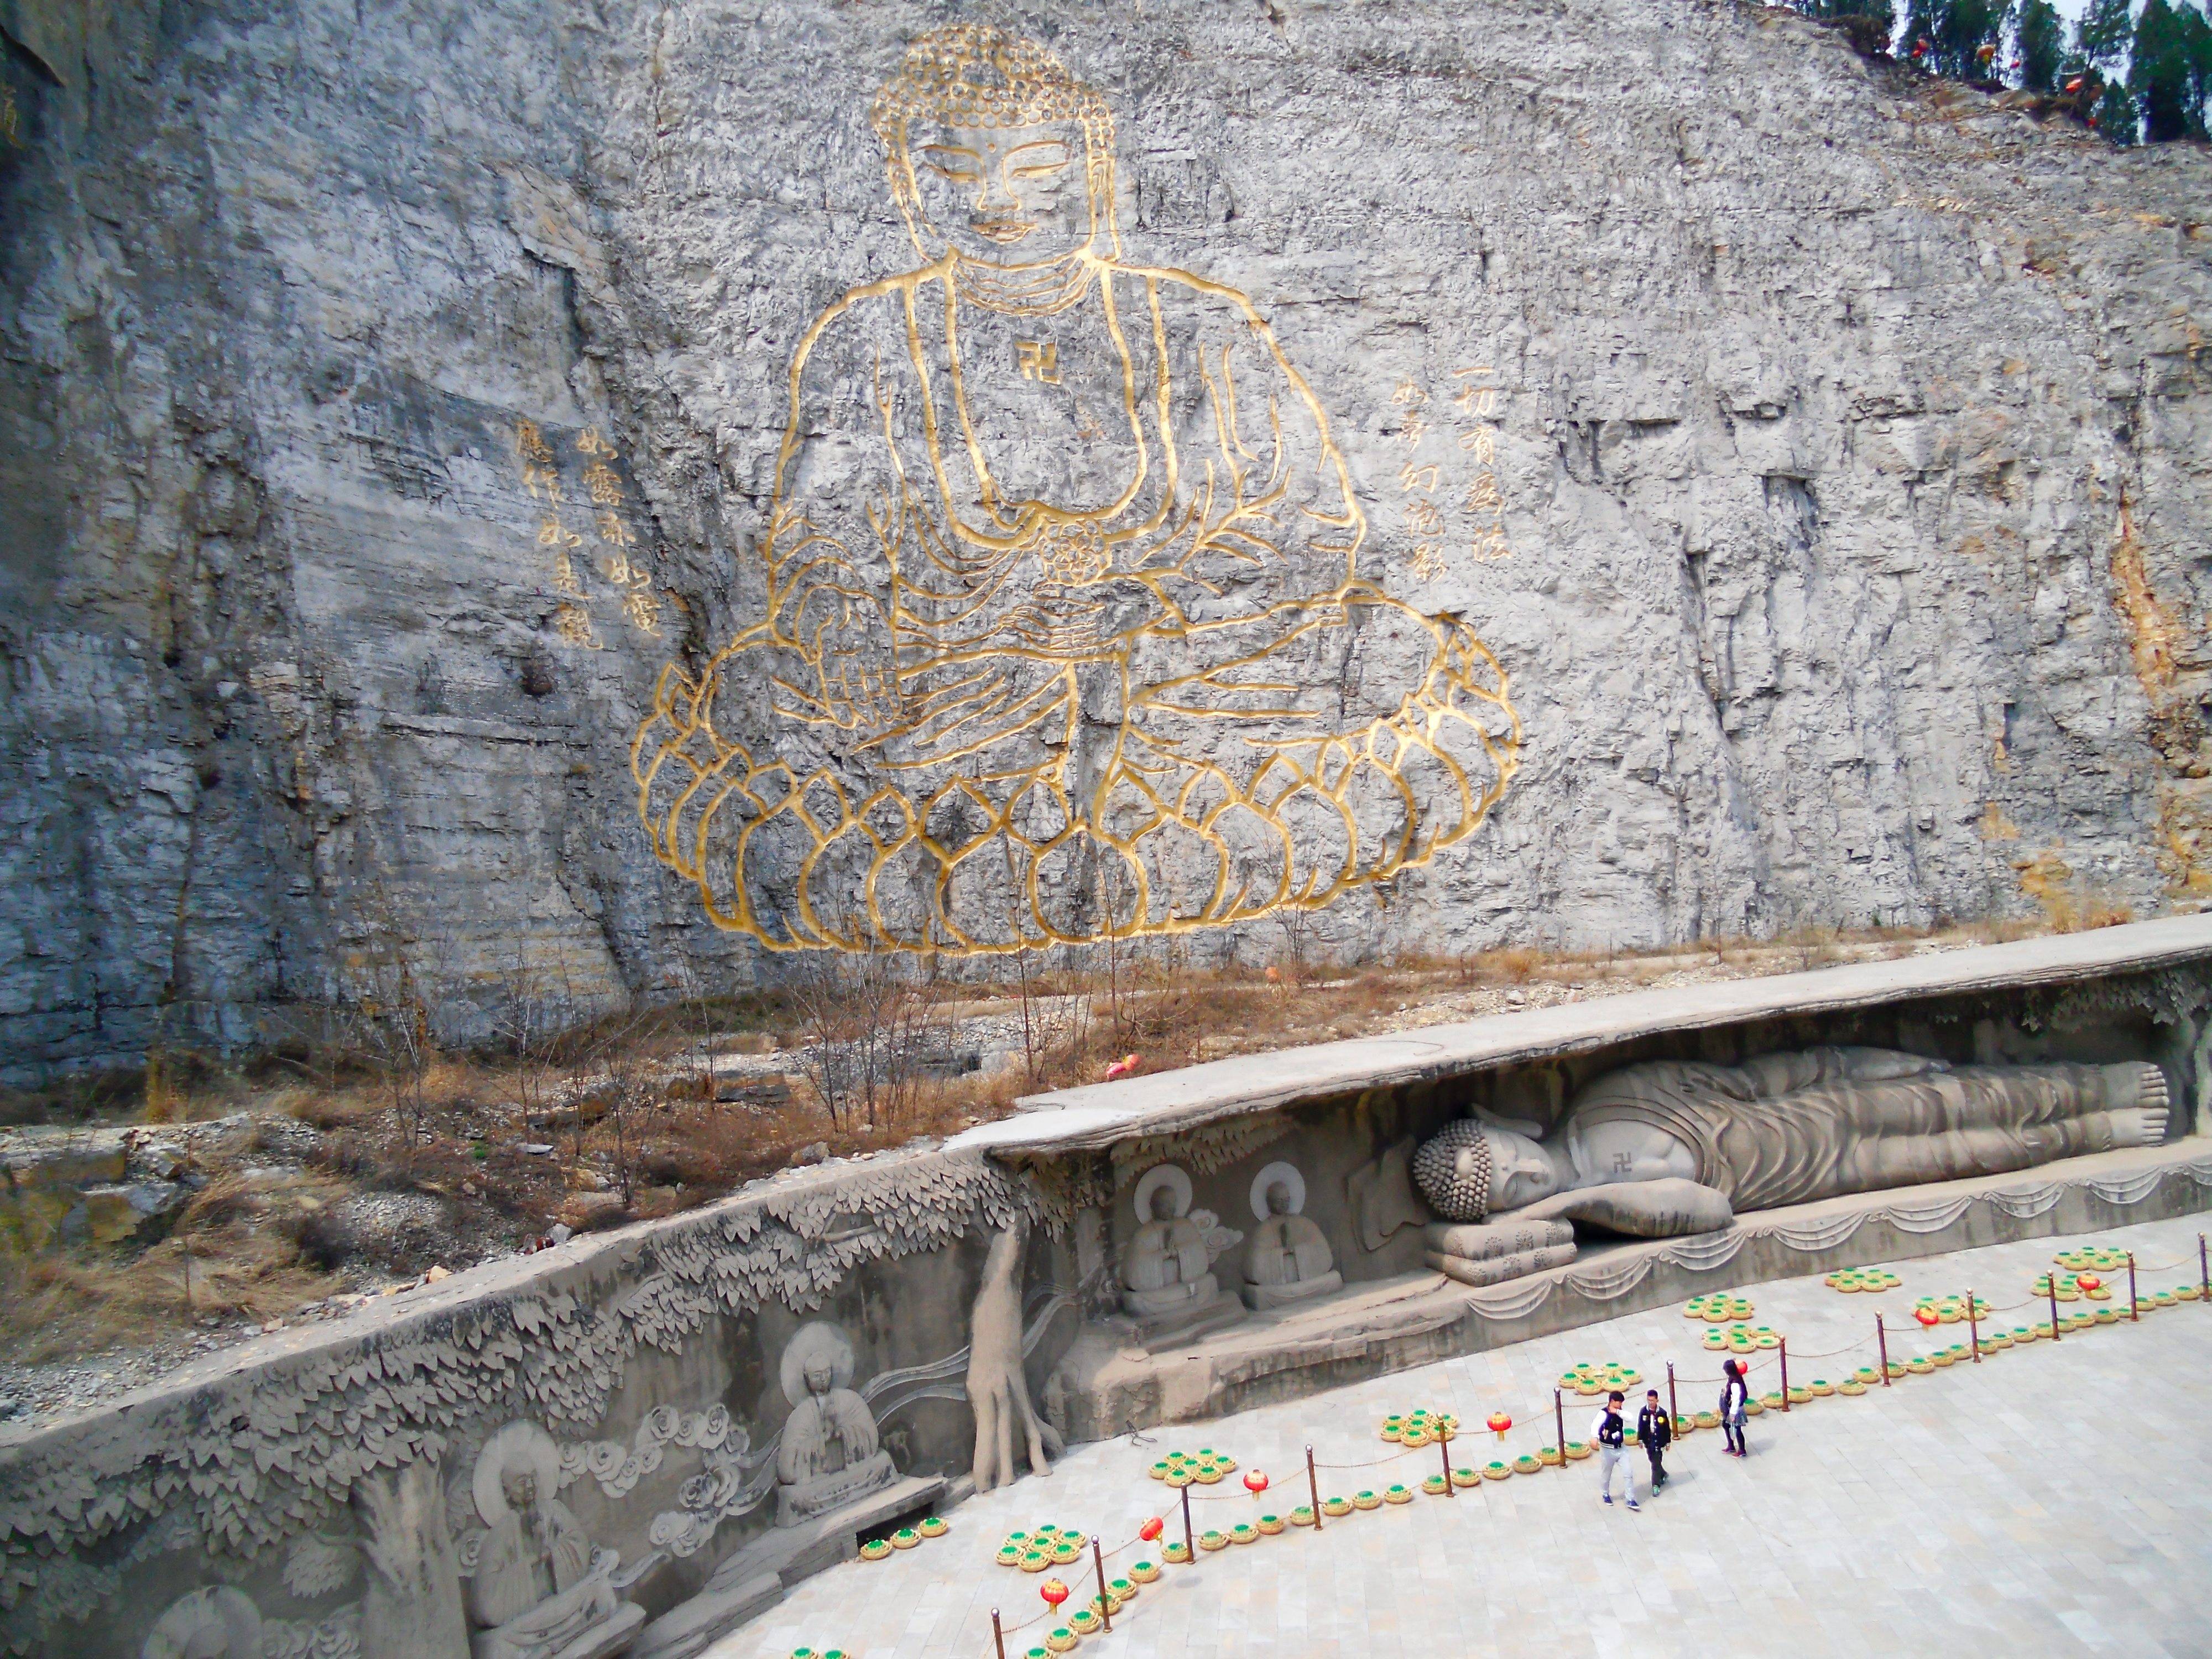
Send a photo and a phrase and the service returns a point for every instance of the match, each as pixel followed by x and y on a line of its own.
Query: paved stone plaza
pixel 2052 1500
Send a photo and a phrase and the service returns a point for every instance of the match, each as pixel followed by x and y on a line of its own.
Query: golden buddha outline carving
pixel 1065 634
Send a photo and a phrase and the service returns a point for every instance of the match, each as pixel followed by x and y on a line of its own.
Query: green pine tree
pixel 2104 32
pixel 2115 115
pixel 2159 74
pixel 2039 36
pixel 2197 45
pixel 1881 10
pixel 1873 34
pixel 1960 36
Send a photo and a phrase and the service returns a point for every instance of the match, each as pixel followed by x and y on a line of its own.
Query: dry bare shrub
pixel 872 1024
pixel 1515 965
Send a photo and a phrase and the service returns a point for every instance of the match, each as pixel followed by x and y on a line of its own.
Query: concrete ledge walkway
pixel 2056 1499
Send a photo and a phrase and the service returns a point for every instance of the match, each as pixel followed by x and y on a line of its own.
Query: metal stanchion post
pixel 1785 1345
pixel 1673 1410
pixel 998 1635
pixel 2135 1302
pixel 1560 1422
pixel 1105 1601
pixel 1313 1485
pixel 2203 1271
pixel 1445 1446
pixel 2050 1280
pixel 1190 1543
pixel 1882 1342
pixel 1973 1326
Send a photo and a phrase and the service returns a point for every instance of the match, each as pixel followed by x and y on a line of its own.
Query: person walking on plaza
pixel 1735 1395
pixel 1653 1429
pixel 1612 1436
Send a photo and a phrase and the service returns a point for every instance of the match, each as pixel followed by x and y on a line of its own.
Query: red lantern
pixel 1254 1482
pixel 1151 1529
pixel 2089 1282
pixel 1500 1422
pixel 1053 1591
pixel 1926 1315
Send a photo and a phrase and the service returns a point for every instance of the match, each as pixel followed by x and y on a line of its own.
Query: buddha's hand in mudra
pixel 839 631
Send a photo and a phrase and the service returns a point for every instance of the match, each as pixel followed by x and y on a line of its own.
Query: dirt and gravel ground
pixel 294 1201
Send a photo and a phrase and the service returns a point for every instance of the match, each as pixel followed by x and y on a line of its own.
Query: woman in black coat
pixel 1735 1397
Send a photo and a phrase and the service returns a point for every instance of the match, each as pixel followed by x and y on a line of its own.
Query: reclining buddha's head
pixel 1472 1170
pixel 996 153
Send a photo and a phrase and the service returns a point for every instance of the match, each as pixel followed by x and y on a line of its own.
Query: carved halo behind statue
pixel 1288 1260
pixel 217 1622
pixel 831 1456
pixel 537 1586
pixel 1168 1284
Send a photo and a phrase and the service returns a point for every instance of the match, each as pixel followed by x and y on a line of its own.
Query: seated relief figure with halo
pixel 1670 1147
pixel 537 1588
pixel 1067 635
pixel 1288 1260
pixel 1169 1288
pixel 830 1455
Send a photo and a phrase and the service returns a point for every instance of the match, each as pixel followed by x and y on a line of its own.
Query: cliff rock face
pixel 1683 479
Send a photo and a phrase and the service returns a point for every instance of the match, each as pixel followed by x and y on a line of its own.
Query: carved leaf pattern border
pixel 267 1452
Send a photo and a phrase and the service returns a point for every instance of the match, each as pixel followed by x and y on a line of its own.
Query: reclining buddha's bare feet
pixel 2142 1124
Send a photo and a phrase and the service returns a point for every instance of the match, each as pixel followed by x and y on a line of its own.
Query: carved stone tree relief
pixel 1068 635
pixel 998 1390
pixel 411 1606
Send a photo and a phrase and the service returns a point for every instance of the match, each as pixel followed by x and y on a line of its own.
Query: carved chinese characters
pixel 594 498
pixel 1447 480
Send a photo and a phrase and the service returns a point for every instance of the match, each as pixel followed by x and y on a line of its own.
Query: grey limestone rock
pixel 1820 452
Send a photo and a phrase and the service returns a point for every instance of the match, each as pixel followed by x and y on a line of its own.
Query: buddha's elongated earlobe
pixel 1099 180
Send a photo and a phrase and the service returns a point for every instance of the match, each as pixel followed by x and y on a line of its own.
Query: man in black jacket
pixel 1653 1429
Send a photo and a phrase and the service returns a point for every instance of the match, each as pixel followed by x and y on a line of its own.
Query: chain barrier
pixel 1768 1359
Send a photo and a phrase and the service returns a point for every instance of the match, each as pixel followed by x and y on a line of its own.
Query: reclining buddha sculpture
pixel 1669 1147
pixel 1066 633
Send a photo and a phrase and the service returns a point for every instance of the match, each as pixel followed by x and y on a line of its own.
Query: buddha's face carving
pixel 820 1375
pixel 1163 1204
pixel 1002 195
pixel 520 1487
pixel 1279 1198
pixel 1519 1171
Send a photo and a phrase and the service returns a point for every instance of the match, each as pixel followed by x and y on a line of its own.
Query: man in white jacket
pixel 1611 1435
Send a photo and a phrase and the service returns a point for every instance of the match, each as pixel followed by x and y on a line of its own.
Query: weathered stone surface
pixel 1850 441
pixel 333 1483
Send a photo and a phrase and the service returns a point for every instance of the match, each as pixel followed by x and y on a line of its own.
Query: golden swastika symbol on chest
pixel 1038 360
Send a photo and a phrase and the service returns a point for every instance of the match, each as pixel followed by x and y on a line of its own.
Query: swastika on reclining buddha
pixel 1067 637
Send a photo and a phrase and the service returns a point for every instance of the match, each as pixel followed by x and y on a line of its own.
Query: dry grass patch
pixel 237 1250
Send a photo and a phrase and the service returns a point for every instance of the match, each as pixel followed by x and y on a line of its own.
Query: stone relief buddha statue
pixel 1669 1147
pixel 830 1455
pixel 1287 1260
pixel 1168 1282
pixel 537 1587
pixel 215 1623
pixel 1068 631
